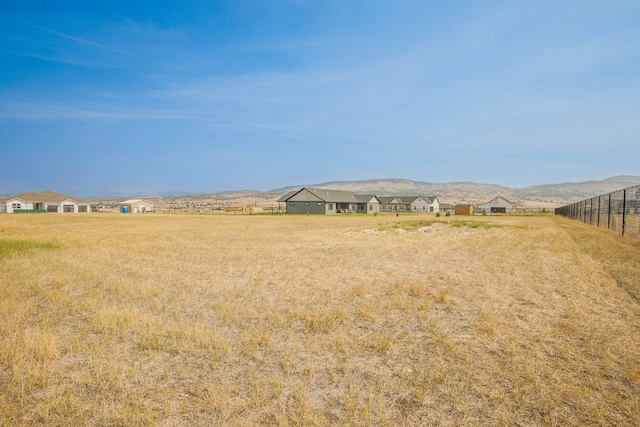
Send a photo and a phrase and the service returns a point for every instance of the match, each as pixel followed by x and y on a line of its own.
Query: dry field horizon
pixel 180 320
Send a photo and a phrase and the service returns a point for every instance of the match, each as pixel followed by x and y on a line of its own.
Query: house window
pixel 318 203
pixel 16 206
pixel 306 203
pixel 330 206
pixel 370 207
pixel 292 203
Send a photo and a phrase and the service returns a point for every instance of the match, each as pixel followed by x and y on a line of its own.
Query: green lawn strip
pixel 9 247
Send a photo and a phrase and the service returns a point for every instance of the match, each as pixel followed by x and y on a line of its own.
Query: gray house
pixel 446 207
pixel 327 202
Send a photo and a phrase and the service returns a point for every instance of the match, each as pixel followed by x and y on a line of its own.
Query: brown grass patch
pixel 275 320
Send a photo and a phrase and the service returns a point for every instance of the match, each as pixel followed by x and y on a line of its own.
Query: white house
pixel 415 204
pixel 433 204
pixel 498 205
pixel 45 201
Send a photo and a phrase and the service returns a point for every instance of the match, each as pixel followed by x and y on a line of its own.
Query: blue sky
pixel 149 97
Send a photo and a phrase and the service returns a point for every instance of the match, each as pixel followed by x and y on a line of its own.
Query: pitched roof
pixel 339 196
pixel 287 196
pixel 130 201
pixel 335 196
pixel 47 196
pixel 389 199
pixel 365 198
pixel 500 197
pixel 430 199
pixel 406 200
pixel 329 196
pixel 6 199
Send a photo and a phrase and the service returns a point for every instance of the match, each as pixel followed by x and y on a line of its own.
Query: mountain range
pixel 451 192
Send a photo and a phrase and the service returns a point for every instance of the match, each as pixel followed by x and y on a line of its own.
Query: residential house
pixel 498 205
pixel 136 206
pixel 447 207
pixel 44 201
pixel 406 204
pixel 327 202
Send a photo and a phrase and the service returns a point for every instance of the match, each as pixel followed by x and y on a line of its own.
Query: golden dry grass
pixel 294 320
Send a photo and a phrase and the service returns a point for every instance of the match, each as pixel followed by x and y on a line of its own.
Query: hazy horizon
pixel 94 194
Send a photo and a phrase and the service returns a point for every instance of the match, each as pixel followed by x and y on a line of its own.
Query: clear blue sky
pixel 146 97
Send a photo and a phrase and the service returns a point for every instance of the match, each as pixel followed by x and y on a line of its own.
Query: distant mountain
pixel 574 191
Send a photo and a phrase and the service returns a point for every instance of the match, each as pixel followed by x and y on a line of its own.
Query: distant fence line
pixel 618 211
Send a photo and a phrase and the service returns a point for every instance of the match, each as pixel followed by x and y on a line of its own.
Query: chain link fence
pixel 618 211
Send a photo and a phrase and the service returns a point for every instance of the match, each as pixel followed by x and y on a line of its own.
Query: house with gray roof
pixel 409 204
pixel 44 201
pixel 498 205
pixel 328 202
pixel 446 207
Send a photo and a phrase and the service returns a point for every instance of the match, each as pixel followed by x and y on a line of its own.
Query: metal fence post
pixel 624 211
pixel 609 214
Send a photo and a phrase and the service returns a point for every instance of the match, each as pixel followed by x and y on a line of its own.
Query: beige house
pixel 44 201
pixel 136 206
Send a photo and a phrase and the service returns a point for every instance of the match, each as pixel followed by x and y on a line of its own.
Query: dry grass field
pixel 179 320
